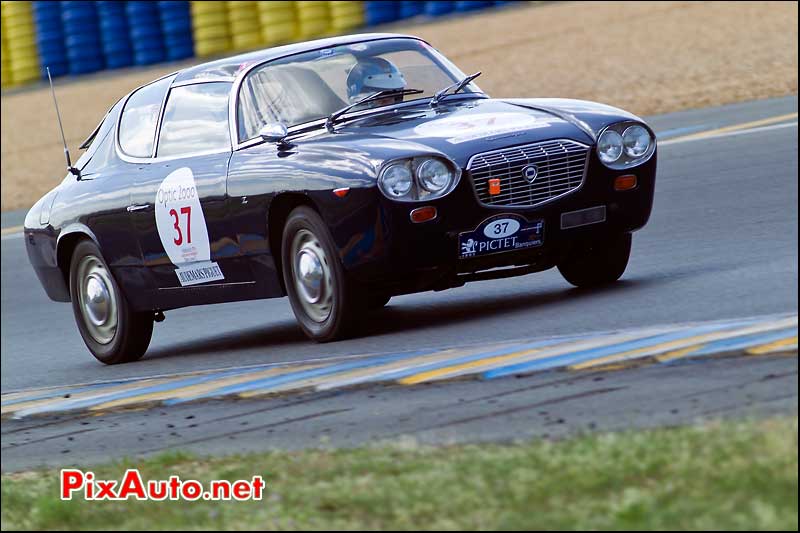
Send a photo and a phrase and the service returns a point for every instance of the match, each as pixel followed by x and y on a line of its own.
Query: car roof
pixel 230 67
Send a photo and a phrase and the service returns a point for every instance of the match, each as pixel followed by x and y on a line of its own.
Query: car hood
pixel 455 128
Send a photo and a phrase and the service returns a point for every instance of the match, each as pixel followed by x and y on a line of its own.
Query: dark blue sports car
pixel 338 172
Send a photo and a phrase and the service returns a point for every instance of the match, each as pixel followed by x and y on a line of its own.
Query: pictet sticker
pixel 182 229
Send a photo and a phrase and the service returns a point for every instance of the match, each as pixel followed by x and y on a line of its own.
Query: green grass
pixel 728 475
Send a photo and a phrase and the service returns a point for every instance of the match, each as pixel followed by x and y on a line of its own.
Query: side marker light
pixel 423 214
pixel 625 183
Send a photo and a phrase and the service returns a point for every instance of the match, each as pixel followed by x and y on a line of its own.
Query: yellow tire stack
pixel 346 15
pixel 313 19
pixel 244 25
pixel 210 26
pixel 5 78
pixel 278 22
pixel 20 56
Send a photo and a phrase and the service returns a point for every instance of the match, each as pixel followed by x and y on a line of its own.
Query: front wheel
pixel 112 331
pixel 324 301
pixel 597 262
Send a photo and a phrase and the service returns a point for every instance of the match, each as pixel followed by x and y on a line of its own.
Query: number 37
pixel 178 240
pixel 500 227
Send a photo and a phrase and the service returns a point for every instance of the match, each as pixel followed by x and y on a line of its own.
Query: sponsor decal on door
pixel 182 229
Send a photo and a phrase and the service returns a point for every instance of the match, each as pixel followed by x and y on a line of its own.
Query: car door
pixel 178 204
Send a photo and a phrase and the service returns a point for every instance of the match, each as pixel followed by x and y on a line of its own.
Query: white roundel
pixel 179 219
pixel 503 227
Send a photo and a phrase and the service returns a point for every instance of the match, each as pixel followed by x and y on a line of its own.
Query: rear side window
pixel 101 157
pixel 195 120
pixel 137 129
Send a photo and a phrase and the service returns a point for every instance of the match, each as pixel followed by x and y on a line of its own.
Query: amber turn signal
pixel 494 186
pixel 341 193
pixel 423 214
pixel 625 183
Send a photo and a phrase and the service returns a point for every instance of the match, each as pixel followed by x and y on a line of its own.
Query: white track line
pixel 729 134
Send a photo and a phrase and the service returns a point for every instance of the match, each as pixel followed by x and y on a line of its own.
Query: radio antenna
pixel 70 168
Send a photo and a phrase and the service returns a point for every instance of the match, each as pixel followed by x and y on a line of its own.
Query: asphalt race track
pixel 721 244
pixel 546 405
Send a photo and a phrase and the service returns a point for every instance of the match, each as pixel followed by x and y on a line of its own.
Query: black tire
pixel 306 233
pixel 595 263
pixel 130 337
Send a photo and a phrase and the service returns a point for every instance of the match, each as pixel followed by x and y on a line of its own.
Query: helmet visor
pixel 385 81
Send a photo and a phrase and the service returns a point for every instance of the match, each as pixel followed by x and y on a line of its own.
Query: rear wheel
pixel 597 262
pixel 325 302
pixel 112 331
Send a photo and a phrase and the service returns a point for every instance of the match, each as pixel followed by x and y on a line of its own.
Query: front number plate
pixel 501 233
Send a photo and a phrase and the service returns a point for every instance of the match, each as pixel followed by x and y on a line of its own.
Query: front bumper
pixel 381 248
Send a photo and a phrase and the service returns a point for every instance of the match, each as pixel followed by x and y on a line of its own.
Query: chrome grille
pixel 560 163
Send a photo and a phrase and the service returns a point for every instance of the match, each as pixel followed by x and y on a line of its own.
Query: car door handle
pixel 138 207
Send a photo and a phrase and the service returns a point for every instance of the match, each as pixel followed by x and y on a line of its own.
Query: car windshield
pixel 310 86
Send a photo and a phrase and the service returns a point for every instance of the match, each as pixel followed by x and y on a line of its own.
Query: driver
pixel 372 74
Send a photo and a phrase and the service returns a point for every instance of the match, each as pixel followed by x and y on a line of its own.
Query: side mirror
pixel 273 132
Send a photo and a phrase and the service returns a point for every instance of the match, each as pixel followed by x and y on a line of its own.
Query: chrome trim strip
pixel 252 142
pixel 200 286
pixel 147 161
pixel 158 124
pixel 196 81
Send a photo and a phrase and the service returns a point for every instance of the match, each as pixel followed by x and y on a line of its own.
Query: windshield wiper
pixel 455 88
pixel 331 120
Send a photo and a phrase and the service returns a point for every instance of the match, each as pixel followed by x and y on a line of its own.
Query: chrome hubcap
pixel 97 299
pixel 312 276
pixel 309 272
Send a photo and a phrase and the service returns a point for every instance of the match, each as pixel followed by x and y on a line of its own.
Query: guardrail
pixel 79 37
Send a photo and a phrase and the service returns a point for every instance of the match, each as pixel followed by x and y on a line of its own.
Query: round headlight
pixel 636 140
pixel 397 180
pixel 434 175
pixel 609 146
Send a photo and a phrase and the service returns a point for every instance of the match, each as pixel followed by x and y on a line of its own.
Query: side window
pixel 195 120
pixel 137 129
pixel 101 158
pixel 101 140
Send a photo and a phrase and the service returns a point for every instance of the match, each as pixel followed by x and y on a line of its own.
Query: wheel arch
pixel 68 239
pixel 278 212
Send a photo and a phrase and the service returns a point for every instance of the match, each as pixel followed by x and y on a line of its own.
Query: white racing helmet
pixel 373 74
